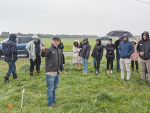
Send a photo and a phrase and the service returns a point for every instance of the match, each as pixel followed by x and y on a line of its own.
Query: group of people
pixel 127 53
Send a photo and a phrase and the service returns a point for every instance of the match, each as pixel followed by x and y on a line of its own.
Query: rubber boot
pixel 31 74
pixel 15 76
pixel 6 79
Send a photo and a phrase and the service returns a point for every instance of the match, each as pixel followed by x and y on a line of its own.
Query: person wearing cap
pixel 34 47
pixel 97 55
pixel 117 42
pixel 126 48
pixel 61 46
pixel 134 57
pixel 11 58
pixel 84 53
pixel 53 63
pixel 110 48
pixel 143 49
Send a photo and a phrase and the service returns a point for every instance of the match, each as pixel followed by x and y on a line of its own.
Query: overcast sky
pixel 91 17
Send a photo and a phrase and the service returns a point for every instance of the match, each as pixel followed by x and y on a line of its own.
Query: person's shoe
pixel 108 72
pixel 15 76
pixel 38 71
pixel 6 79
pixel 132 70
pixel 96 72
pixel 111 72
pixel 85 72
pixel 53 106
pixel 56 102
pixel 79 70
pixel 76 70
pixel 137 71
pixel 31 74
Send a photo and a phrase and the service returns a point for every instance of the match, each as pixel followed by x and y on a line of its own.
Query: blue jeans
pixel 85 63
pixel 52 84
pixel 12 68
pixel 96 63
pixel 118 62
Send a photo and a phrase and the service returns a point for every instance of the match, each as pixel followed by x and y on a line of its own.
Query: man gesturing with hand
pixel 53 63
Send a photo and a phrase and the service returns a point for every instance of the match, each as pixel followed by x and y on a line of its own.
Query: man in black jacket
pixel 12 58
pixel 117 42
pixel 143 49
pixel 53 63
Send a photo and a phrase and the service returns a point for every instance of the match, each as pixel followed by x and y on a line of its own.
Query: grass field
pixel 68 43
pixel 77 93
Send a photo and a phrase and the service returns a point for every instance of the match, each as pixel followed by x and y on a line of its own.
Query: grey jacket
pixel 30 47
pixel 85 51
pixel 53 60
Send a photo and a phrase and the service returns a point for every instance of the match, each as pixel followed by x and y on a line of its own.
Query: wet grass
pixel 77 93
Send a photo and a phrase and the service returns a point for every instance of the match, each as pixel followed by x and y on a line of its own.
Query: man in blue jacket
pixel 126 48
pixel 11 58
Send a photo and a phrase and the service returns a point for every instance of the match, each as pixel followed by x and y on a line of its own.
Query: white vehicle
pixel 104 41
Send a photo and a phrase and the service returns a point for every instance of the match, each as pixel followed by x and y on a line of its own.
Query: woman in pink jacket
pixel 134 57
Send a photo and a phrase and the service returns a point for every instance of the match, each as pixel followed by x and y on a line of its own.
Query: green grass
pixel 77 93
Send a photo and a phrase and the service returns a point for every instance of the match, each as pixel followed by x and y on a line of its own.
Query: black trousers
pixel 36 62
pixel 110 61
pixel 132 64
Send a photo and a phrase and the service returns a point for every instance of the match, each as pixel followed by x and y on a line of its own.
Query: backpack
pixel 6 48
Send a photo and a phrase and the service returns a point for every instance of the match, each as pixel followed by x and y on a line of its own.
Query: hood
pixel 86 39
pixel 99 40
pixel 12 37
pixel 76 41
pixel 147 34
pixel 35 37
pixel 126 35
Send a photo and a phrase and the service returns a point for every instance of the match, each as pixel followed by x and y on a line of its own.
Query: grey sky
pixel 95 17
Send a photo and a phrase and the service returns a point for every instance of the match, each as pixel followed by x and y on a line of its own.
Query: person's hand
pixel 109 52
pixel 64 72
pixel 44 48
pixel 142 53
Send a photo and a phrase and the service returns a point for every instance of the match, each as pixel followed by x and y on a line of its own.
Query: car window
pixel 24 40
